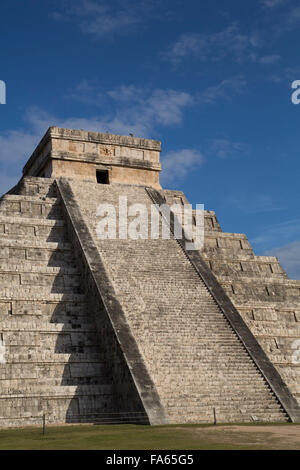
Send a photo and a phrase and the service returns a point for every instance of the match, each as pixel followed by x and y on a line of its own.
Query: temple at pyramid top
pixel 95 156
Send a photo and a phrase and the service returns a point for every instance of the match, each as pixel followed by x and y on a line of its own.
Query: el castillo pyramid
pixel 136 331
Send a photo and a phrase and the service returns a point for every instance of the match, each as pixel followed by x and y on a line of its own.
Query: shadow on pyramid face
pixel 83 376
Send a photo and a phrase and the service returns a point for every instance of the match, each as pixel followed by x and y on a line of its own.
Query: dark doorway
pixel 102 176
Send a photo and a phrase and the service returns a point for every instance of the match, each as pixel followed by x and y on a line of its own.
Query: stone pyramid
pixel 134 330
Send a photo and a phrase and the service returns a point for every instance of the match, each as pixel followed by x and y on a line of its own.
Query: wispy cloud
pixel 224 90
pixel 128 109
pixel 103 18
pixel 225 148
pixel 231 42
pixel 286 232
pixel 178 164
pixel 15 145
pixel 158 106
pixel 133 110
pixel 284 20
pixel 274 3
pixel 250 203
pixel 289 256
pixel 267 59
pixel 163 105
pixel 287 74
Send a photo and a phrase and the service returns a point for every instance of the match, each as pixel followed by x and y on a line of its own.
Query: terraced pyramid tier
pixel 51 358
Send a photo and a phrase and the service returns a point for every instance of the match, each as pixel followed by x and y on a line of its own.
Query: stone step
pixel 56 369
pixel 54 246
pixel 215 399
pixel 57 408
pixel 39 337
pixel 227 417
pixel 47 324
pixel 46 233
pixel 30 297
pixel 226 255
pixel 40 279
pixel 246 253
pixel 52 388
pixel 148 270
pixel 25 291
pixel 221 404
pixel 28 351
pixel 37 268
pixel 33 186
pixel 31 228
pixel 58 309
pixel 50 253
pixel 31 206
pixel 51 357
pixel 248 276
pixel 226 407
pixel 55 345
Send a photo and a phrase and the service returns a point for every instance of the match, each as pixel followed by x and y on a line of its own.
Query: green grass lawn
pixel 134 437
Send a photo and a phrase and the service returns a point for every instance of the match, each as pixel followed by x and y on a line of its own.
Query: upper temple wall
pixel 79 154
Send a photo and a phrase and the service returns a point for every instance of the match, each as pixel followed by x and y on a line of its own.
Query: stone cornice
pixel 94 137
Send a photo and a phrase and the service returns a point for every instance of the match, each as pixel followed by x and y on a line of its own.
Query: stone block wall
pixel 259 288
pixel 193 357
pixel 52 360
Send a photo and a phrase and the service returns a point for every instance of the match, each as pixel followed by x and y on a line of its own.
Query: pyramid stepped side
pixel 195 359
pixel 52 359
pixel 260 289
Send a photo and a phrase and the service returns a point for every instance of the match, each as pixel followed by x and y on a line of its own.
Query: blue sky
pixel 211 80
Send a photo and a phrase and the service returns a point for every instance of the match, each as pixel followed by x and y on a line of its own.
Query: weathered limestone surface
pixel 192 355
pixel 79 154
pixel 53 359
pixel 127 330
pixel 259 288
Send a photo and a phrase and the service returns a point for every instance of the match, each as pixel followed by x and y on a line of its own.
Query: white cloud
pixel 163 107
pixel 268 59
pixel 284 231
pixel 225 148
pixel 223 90
pixel 178 164
pixel 250 202
pixel 15 145
pixel 135 110
pixel 289 257
pixel 287 75
pixel 232 42
pixel 291 21
pixel 273 3
pixel 103 18
pixel 288 20
pixel 132 109
pixel 229 42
